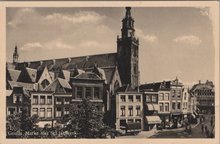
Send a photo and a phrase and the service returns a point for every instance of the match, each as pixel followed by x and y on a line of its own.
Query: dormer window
pixel 45 83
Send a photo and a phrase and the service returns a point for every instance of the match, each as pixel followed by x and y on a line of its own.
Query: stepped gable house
pixel 116 69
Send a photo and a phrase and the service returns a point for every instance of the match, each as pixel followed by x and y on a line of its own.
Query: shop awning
pixel 153 119
pixel 195 113
pixel 176 113
pixel 150 107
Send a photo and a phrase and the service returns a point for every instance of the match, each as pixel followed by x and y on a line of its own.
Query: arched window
pixel 45 83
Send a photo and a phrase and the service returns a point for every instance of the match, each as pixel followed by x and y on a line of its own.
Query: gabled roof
pixel 28 86
pixel 59 85
pixel 32 74
pixel 105 73
pixel 100 72
pixel 52 75
pixel 39 73
pixel 28 75
pixel 76 72
pixel 66 75
pixel 64 83
pixel 88 75
pixel 12 75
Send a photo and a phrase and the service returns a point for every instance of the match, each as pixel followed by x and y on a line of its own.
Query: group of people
pixel 206 130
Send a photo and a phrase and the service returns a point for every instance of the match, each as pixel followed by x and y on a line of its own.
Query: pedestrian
pixel 202 128
pixel 190 130
pixel 200 119
pixel 113 135
pixel 206 128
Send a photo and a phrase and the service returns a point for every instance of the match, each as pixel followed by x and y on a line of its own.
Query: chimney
pixel 199 81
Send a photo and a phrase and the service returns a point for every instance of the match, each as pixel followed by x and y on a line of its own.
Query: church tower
pixel 15 55
pixel 127 50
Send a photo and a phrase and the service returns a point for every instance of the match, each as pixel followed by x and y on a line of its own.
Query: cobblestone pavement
pixel 173 133
pixel 180 133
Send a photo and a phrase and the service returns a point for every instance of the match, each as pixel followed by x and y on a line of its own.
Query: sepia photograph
pixel 111 72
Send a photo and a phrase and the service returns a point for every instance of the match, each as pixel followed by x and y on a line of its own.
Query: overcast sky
pixel 173 41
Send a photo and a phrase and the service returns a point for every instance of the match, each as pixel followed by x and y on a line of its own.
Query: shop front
pixel 176 119
pixel 152 122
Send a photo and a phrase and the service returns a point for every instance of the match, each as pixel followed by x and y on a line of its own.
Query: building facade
pixel 90 86
pixel 205 95
pixel 151 109
pixel 17 100
pixel 128 109
pixel 42 104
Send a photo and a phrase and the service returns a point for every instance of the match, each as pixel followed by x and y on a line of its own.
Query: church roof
pixel 83 62
pixel 109 73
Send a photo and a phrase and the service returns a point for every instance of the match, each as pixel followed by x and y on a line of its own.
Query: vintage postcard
pixel 110 72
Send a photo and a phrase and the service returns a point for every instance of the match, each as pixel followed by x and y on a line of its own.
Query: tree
pixel 21 122
pixel 86 120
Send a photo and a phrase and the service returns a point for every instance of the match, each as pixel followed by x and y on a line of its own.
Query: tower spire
pixel 15 55
pixel 127 24
pixel 128 12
